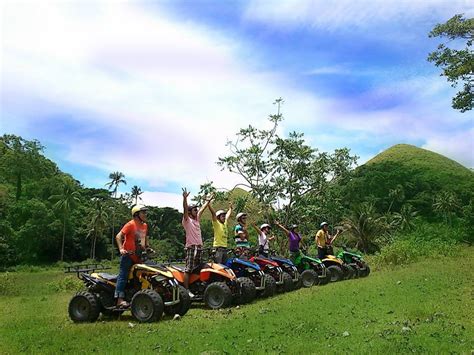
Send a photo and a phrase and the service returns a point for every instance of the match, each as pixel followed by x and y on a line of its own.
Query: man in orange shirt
pixel 131 241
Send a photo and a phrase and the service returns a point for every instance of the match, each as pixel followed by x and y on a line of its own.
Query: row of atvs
pixel 154 289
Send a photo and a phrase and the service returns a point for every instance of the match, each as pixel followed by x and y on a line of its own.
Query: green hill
pixel 419 173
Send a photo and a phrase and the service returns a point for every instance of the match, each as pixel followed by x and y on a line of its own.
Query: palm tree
pixel 116 178
pixel 65 202
pixel 136 192
pixel 98 225
pixel 365 226
pixel 446 203
pixel 396 194
pixel 405 219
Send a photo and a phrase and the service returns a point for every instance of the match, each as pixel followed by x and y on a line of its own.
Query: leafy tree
pixel 135 193
pixel 116 178
pixel 20 159
pixel 65 202
pixel 457 64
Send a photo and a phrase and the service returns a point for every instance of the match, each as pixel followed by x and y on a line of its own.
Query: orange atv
pixel 215 284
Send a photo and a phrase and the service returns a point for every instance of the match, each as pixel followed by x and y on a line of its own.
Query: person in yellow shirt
pixel 323 238
pixel 221 233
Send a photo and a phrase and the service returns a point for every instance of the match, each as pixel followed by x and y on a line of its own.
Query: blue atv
pixel 288 266
pixel 265 285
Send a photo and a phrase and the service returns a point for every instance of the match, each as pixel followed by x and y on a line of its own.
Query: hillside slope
pixel 420 173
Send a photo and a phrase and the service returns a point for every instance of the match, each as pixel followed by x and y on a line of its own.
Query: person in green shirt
pixel 221 233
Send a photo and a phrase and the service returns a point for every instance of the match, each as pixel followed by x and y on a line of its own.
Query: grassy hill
pixel 420 308
pixel 420 172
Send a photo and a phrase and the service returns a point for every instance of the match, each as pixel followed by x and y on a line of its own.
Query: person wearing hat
pixel 294 239
pixel 241 235
pixel 219 225
pixel 192 225
pixel 131 240
pixel 323 238
pixel 263 238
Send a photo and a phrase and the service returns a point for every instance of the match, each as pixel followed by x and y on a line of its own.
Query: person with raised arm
pixel 263 238
pixel 221 233
pixel 192 226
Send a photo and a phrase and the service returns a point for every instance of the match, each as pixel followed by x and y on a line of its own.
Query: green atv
pixel 354 260
pixel 312 270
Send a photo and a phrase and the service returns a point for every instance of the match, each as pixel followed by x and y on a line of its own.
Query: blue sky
pixel 155 89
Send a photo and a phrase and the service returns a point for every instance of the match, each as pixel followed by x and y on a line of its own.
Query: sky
pixel 155 89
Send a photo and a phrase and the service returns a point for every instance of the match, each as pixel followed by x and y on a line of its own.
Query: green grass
pixel 422 307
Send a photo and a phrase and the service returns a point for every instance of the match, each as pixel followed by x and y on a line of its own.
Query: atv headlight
pixel 230 271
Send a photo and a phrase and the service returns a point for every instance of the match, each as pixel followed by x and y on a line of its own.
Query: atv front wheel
pixel 247 291
pixel 270 286
pixel 182 307
pixel 84 307
pixel 335 272
pixel 309 278
pixel 287 283
pixel 218 295
pixel 147 306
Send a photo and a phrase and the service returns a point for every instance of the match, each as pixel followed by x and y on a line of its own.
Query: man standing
pixel 192 226
pixel 131 240
pixel 323 239
pixel 221 233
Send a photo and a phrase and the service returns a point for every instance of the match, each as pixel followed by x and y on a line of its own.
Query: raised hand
pixel 185 192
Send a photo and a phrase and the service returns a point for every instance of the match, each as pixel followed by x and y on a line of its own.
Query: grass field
pixel 424 307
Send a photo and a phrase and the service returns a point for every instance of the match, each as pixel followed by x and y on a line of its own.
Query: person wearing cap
pixel 294 239
pixel 323 238
pixel 263 238
pixel 219 225
pixel 192 225
pixel 241 235
pixel 131 240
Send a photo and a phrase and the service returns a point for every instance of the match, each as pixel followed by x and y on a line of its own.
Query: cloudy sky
pixel 154 89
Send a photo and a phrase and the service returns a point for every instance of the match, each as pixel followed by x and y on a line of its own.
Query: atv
pixel 151 290
pixel 287 266
pixel 239 262
pixel 354 260
pixel 283 279
pixel 312 271
pixel 215 284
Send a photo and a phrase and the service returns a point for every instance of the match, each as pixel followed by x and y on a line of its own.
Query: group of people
pixel 133 238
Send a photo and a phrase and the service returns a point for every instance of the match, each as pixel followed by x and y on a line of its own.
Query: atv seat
pixel 108 277
pixel 196 270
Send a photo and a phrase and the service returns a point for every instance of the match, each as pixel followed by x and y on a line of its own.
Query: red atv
pixel 284 281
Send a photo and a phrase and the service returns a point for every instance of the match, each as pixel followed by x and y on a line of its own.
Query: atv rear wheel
pixel 147 306
pixel 217 295
pixel 335 272
pixel 270 287
pixel 84 307
pixel 247 291
pixel 182 307
pixel 350 272
pixel 309 278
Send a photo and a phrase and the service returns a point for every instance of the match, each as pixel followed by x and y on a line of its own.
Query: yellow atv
pixel 150 290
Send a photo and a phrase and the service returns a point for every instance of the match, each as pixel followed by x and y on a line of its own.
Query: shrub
pixel 8 286
pixel 69 283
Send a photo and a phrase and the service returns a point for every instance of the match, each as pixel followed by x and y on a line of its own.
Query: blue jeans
pixel 125 265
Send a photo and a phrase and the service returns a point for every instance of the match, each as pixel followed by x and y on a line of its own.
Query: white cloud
pixel 459 146
pixel 348 14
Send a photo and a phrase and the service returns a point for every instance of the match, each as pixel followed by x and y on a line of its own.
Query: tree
pixel 65 202
pixel 365 225
pixel 457 64
pixel 20 159
pixel 281 172
pixel 446 203
pixel 396 194
pixel 136 192
pixel 116 178
pixel 98 225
